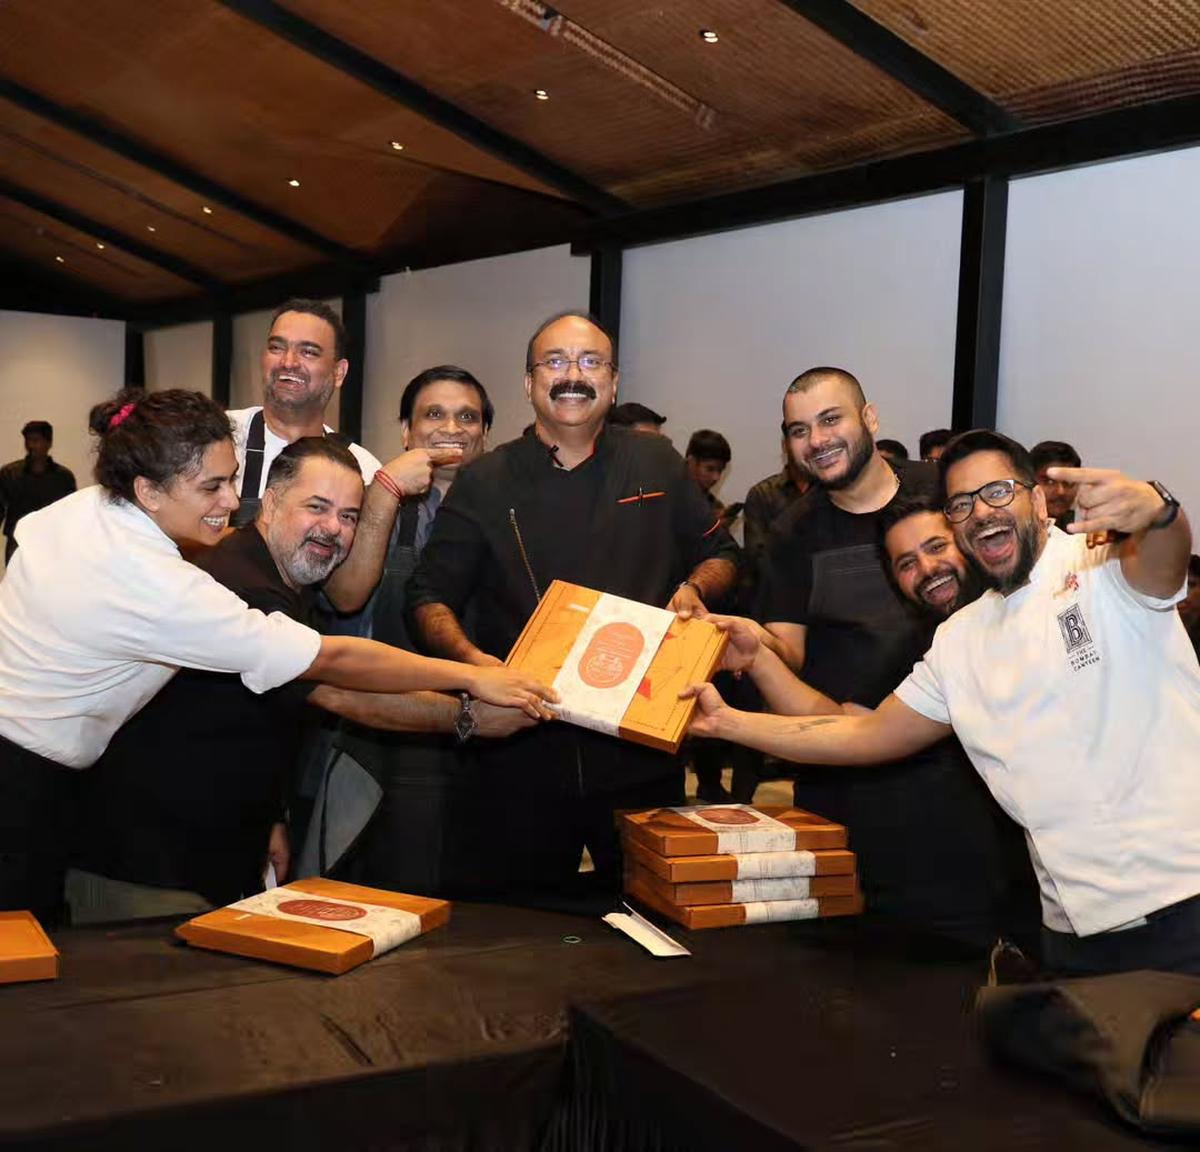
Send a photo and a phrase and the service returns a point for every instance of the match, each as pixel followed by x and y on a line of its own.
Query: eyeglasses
pixel 588 363
pixel 995 494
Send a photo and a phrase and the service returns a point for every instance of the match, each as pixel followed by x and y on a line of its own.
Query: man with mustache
pixel 1075 693
pixel 610 509
pixel 210 824
pixel 834 617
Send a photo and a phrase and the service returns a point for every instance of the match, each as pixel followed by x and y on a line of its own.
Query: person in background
pixel 603 507
pixel 638 417
pixel 31 483
pixel 1189 607
pixel 708 455
pixel 892 449
pixel 80 655
pixel 933 443
pixel 1060 494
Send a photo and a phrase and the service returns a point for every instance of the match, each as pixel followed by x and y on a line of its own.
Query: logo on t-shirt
pixel 1078 640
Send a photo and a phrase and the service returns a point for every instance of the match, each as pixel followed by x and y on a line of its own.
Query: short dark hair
pixel 286 466
pixel 630 413
pixel 1051 452
pixel 322 311
pixel 158 435
pixel 925 498
pixel 934 438
pixel 709 445
pixel 985 440
pixel 39 428
pixel 814 376
pixel 892 446
pixel 408 400
pixel 580 314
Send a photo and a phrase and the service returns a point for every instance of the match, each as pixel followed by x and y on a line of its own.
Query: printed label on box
pixel 387 927
pixel 767 865
pixel 768 910
pixel 740 828
pixel 782 888
pixel 607 662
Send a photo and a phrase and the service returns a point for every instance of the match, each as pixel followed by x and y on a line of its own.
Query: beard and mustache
pixel 285 399
pixel 561 388
pixel 1027 535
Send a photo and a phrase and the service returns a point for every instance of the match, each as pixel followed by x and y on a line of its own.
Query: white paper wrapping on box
pixel 760 834
pixel 780 888
pixel 767 865
pixel 386 927
pixel 588 702
pixel 767 910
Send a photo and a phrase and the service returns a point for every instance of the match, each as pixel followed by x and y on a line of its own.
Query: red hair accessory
pixel 120 416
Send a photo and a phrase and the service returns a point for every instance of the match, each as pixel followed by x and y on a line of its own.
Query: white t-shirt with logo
pixel 1078 701
pixel 273 445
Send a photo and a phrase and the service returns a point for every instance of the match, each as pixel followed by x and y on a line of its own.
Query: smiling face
pixel 447 414
pixel 566 398
pixel 926 564
pixel 309 525
pixel 828 435
pixel 194 508
pixel 1002 543
pixel 706 473
pixel 299 370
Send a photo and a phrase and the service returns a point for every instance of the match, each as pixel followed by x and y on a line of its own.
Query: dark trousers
pixel 1168 942
pixel 38 809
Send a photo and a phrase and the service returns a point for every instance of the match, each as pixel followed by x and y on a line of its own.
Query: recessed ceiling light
pixel 99 245
pixel 397 146
pixel 294 183
pixel 151 228
pixel 60 259
pixel 206 209
pixel 541 93
pixel 708 36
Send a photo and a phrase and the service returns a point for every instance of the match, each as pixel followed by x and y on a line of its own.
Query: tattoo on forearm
pixel 816 722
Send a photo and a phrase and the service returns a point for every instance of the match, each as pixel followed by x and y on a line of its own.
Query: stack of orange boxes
pixel 729 864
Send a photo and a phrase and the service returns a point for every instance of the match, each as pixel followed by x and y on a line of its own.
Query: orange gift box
pixel 700 869
pixel 732 915
pixel 670 833
pixel 747 891
pixel 303 944
pixel 689 654
pixel 25 950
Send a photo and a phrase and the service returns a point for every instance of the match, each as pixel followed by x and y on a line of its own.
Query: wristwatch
pixel 465 725
pixel 1172 505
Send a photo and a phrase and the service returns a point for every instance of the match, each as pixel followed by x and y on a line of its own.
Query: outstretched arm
pixel 891 732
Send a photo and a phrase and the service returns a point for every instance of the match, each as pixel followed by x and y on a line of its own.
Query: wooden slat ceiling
pixel 127 113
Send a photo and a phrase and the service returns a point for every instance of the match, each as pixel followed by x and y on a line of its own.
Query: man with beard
pixel 1075 693
pixel 210 824
pixel 833 615
pixel 609 509
pixel 303 364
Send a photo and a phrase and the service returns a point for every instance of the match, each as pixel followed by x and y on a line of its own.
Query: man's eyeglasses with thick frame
pixel 589 364
pixel 995 494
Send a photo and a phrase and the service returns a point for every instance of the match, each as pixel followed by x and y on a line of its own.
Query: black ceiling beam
pixel 1155 127
pixel 134 247
pixel 205 188
pixel 25 286
pixel 904 63
pixel 398 87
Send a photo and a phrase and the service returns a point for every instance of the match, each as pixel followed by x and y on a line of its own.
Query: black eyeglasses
pixel 588 363
pixel 995 494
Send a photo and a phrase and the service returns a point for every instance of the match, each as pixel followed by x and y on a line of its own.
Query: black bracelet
pixel 693 586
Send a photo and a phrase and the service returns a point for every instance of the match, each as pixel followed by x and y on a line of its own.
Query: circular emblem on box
pixel 728 816
pixel 321 910
pixel 611 655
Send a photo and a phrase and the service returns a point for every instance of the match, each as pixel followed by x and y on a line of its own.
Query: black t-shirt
pixel 823 571
pixel 186 793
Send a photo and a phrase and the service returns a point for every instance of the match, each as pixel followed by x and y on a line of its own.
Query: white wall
pixel 714 329
pixel 55 368
pixel 245 374
pixel 1101 300
pixel 478 315
pixel 179 357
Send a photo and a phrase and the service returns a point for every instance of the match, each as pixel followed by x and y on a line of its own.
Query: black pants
pixel 38 809
pixel 1168 942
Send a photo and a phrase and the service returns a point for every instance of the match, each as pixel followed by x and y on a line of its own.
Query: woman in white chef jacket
pixel 98 610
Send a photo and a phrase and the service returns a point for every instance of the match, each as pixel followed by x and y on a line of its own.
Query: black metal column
pixel 605 298
pixel 222 357
pixel 135 357
pixel 980 297
pixel 350 402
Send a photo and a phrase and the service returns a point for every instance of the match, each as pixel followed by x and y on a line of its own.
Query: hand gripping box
pixel 618 665
pixel 732 915
pixel 25 950
pixel 730 830
pixel 748 866
pixel 320 924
